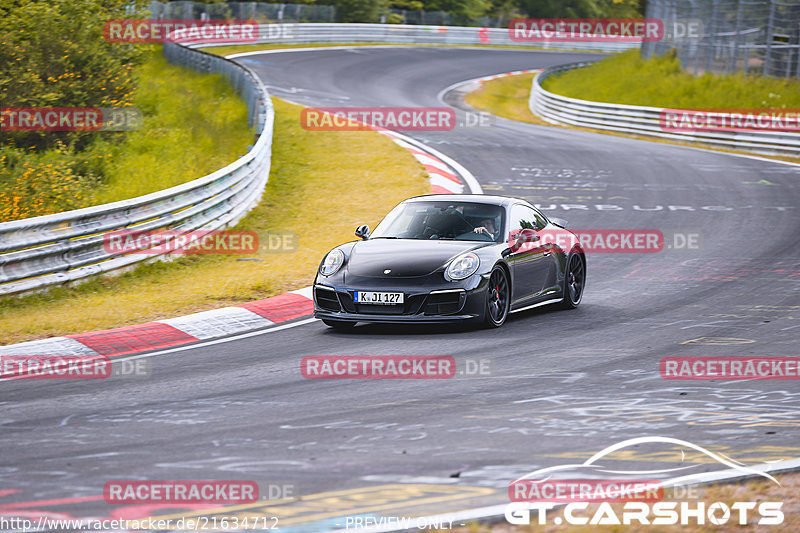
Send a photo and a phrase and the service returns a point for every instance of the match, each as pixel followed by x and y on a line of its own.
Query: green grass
pixel 304 195
pixel 508 97
pixel 660 82
pixel 194 124
pixel 505 97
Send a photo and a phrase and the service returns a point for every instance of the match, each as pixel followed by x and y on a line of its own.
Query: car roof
pixel 475 198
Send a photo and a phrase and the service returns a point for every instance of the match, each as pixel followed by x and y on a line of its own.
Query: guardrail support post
pixel 769 37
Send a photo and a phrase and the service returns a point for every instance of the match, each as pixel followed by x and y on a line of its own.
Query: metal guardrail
pixel 63 247
pixel 413 34
pixel 54 249
pixel 641 120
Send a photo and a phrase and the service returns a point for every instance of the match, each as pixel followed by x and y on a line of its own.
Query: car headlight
pixel 463 266
pixel 332 262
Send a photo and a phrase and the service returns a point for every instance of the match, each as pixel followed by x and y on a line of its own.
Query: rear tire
pixel 338 324
pixel 574 281
pixel 498 298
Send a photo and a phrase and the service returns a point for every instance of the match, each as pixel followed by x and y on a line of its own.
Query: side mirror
pixel 523 237
pixel 559 222
pixel 362 232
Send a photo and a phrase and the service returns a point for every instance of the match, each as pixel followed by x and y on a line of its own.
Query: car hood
pixel 404 257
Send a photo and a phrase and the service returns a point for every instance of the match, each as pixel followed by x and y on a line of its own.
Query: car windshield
pixel 437 220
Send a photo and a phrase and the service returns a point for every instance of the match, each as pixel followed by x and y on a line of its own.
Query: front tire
pixel 498 298
pixel 574 281
pixel 338 324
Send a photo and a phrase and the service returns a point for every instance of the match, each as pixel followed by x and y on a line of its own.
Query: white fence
pixel 39 252
pixel 642 120
pixel 63 247
pixel 412 34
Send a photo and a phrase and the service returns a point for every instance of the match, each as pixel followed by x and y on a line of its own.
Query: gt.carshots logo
pixel 535 496
pixel 586 29
pixel 368 118
pixel 180 492
pixel 185 30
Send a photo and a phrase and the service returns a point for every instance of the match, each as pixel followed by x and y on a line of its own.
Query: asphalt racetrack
pixel 563 384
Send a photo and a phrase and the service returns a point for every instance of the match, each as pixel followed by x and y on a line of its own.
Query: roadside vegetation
pixel 310 171
pixel 53 55
pixel 627 79
pixel 193 124
pixel 505 97
pixel 660 81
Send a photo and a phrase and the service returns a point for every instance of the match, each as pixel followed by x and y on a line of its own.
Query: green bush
pixel 193 125
pixel 53 54
pixel 660 81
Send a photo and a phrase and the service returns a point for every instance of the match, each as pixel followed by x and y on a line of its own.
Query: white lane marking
pixel 200 345
pixel 466 175
pixel 365 46
pixel 311 49
pixel 213 342
pixel 471 182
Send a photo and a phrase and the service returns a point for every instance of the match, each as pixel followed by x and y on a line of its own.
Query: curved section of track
pixel 565 383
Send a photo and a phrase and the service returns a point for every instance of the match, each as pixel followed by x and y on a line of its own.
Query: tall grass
pixel 322 185
pixel 193 124
pixel 660 82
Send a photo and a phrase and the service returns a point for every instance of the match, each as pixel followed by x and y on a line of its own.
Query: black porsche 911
pixel 449 258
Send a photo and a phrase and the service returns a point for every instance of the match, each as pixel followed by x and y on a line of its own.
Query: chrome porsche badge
pixel 387 271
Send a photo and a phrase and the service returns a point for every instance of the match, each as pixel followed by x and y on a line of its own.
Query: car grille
pixel 327 299
pixel 445 303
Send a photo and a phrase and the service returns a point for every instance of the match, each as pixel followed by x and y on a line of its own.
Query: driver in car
pixel 487 228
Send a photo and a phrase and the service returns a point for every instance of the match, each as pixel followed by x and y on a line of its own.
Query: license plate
pixel 378 298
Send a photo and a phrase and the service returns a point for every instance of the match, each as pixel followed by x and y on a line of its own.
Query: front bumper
pixel 439 304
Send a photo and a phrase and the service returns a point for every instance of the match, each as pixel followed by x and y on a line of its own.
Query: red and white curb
pixel 447 177
pixel 444 180
pixel 171 332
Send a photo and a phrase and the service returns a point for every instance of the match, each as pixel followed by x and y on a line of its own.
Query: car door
pixel 532 266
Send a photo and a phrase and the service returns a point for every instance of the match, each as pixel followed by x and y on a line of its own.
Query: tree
pixel 360 10
pixel 53 54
